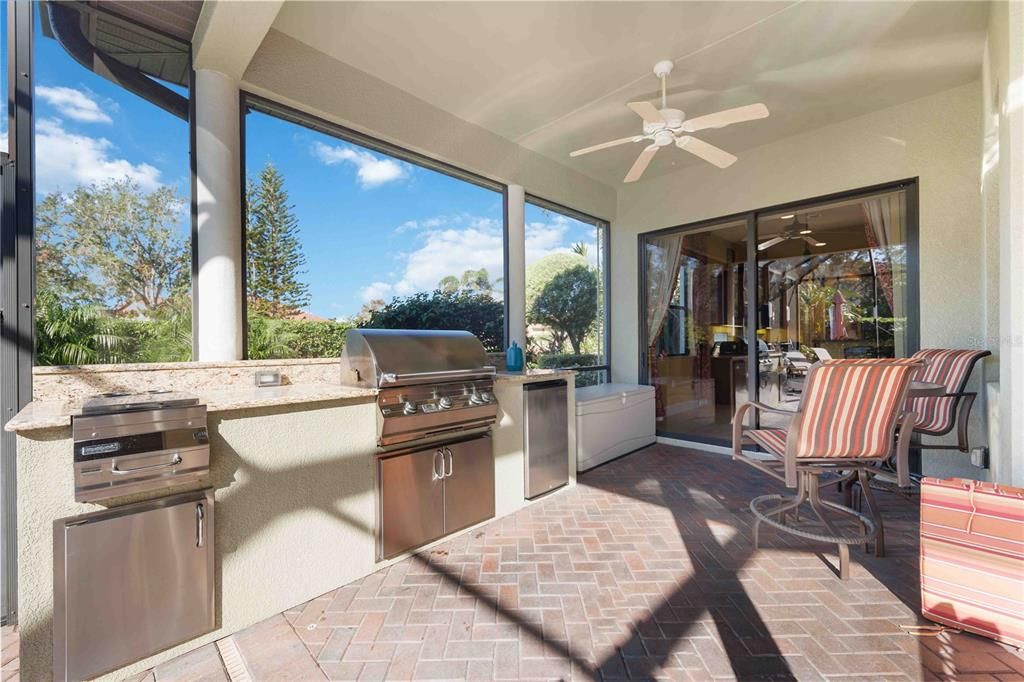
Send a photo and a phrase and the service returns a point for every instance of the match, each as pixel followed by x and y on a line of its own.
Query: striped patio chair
pixel 938 415
pixel 846 425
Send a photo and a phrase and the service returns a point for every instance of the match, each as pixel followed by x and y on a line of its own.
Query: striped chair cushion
pixel 972 557
pixel 850 407
pixel 772 440
pixel 951 368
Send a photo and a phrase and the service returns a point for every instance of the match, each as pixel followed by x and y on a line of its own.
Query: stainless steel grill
pixel 433 384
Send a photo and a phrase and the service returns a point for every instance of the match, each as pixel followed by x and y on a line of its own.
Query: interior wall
pixel 934 138
pixel 290 72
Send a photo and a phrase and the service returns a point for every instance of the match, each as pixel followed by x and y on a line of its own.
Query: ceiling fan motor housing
pixel 673 121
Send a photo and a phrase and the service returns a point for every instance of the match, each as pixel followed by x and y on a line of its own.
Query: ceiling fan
pixel 795 230
pixel 670 126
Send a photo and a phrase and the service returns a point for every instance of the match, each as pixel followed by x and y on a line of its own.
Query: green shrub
pixel 478 313
pixel 566 360
pixel 315 339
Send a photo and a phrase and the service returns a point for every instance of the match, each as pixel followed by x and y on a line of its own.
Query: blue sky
pixel 371 226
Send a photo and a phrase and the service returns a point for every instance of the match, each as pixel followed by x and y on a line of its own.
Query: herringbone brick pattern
pixel 645 570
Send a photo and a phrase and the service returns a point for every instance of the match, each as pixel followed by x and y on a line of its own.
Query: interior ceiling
pixel 555 76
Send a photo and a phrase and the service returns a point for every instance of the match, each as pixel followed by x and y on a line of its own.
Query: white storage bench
pixel 611 420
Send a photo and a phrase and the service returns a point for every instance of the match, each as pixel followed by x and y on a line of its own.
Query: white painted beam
pixel 217 290
pixel 515 278
pixel 228 34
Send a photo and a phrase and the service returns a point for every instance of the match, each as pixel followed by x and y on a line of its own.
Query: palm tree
pixel 74 335
pixel 580 249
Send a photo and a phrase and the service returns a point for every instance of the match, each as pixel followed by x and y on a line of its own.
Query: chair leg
pixel 864 477
pixel 816 506
pixel 844 562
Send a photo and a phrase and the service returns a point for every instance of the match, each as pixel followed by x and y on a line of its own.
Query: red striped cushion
pixel 951 368
pixel 972 557
pixel 851 407
pixel 772 440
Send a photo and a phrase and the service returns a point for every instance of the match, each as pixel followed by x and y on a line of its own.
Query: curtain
pixel 883 221
pixel 664 254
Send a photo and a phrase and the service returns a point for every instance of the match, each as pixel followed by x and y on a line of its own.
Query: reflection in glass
pixel 831 284
pixel 695 317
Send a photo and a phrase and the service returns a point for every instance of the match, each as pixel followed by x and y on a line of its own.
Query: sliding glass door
pixel 696 317
pixel 832 283
pixel 725 319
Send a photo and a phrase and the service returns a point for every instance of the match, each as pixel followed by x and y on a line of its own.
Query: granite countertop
pixel 42 414
pixel 533 375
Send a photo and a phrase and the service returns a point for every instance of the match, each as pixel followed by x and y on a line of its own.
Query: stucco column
pixel 515 278
pixel 218 286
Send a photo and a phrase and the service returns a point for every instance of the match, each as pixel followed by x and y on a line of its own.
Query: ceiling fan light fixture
pixel 787 217
pixel 806 231
pixel 821 243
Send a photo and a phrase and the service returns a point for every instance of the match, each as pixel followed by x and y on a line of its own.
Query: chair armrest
pixel 761 407
pixel 741 413
pixel 961 394
pixel 906 428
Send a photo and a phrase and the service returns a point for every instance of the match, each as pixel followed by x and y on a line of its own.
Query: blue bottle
pixel 514 358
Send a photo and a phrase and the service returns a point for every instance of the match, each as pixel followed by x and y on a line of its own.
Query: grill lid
pixel 377 357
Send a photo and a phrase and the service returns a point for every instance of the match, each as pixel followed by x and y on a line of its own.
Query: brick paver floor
pixel 646 569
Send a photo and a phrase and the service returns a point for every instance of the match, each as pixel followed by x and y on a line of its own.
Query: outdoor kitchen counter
pixel 293 469
pixel 44 414
pixel 529 375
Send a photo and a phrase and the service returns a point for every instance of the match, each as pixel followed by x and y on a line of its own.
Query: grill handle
pixel 175 461
pixel 393 378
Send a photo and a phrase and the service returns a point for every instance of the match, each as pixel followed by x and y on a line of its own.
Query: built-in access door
pixel 697 353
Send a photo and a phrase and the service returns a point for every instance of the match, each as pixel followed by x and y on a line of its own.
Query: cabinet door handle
pixel 175 461
pixel 200 524
pixel 451 463
pixel 438 475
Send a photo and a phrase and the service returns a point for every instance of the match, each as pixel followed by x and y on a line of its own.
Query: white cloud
pixel 450 245
pixel 74 104
pixel 65 160
pixel 377 291
pixel 372 170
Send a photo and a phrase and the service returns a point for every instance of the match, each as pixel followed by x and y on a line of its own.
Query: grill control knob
pixel 486 397
pixel 409 407
pixel 476 399
pixel 444 403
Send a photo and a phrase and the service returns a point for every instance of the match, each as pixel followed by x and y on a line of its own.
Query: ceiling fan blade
pixel 640 165
pixel 812 242
pixel 647 111
pixel 751 112
pixel 708 152
pixel 605 145
pixel 770 243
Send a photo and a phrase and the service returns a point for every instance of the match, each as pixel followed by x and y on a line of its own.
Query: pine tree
pixel 275 257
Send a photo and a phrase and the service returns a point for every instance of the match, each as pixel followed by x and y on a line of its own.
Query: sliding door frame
pixel 751 217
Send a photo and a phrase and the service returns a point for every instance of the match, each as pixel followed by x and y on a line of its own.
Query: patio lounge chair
pixel 846 425
pixel 822 354
pixel 797 365
pixel 936 416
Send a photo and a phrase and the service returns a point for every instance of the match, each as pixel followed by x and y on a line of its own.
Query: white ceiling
pixel 555 76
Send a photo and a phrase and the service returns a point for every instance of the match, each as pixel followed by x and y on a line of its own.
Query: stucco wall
pixel 293 73
pixel 935 138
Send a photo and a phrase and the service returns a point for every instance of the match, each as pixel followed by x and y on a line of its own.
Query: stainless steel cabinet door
pixel 468 483
pixel 411 500
pixel 131 581
pixel 546 436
